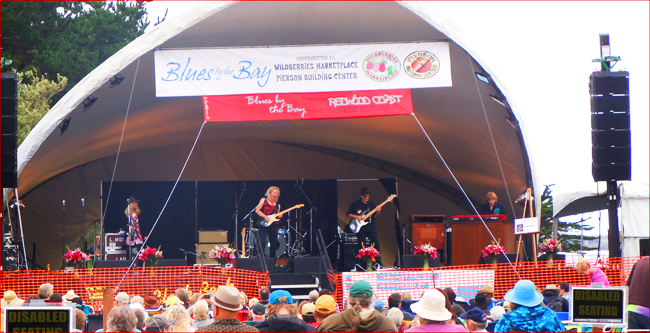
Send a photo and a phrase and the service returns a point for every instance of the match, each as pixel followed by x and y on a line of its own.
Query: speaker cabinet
pixel 415 261
pixel 9 124
pixel 349 250
pixel 254 264
pixel 610 126
pixel 428 229
pixel 643 247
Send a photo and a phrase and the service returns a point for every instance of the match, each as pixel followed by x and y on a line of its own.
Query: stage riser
pixel 254 264
pixel 415 261
pixel 127 263
pixel 308 265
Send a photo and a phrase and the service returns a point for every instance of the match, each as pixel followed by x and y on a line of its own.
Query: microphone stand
pixel 83 222
pixel 64 229
pixel 311 210
pixel 237 201
pixel 250 225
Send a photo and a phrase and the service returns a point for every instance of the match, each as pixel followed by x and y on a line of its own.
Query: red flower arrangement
pixel 150 256
pixel 224 255
pixel 426 251
pixel 76 257
pixel 492 251
pixel 368 254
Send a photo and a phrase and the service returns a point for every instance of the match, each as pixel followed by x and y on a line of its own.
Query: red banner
pixel 299 106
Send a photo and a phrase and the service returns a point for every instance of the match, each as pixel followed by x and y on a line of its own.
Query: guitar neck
pixel 286 210
pixel 374 210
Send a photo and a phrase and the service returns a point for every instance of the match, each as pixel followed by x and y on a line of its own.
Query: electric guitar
pixel 274 217
pixel 243 243
pixel 355 225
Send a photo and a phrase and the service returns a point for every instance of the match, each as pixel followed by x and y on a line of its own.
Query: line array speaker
pixel 9 124
pixel 610 126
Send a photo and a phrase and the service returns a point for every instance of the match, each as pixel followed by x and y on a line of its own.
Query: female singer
pixel 267 207
pixel 132 211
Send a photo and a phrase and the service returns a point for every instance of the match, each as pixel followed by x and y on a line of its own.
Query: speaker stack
pixel 349 249
pixel 9 124
pixel 610 125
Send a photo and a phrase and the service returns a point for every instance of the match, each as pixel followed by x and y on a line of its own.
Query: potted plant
pixel 150 256
pixel 368 254
pixel 550 248
pixel 76 258
pixel 492 252
pixel 426 251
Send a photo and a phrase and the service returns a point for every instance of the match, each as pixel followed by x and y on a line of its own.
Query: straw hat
pixel 552 287
pixel 151 301
pixel 432 306
pixel 70 295
pixel 487 289
pixel 10 299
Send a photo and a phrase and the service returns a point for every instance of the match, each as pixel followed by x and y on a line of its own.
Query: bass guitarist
pixel 357 210
pixel 267 207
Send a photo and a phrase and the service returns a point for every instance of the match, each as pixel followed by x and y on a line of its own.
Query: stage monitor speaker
pixel 308 265
pixel 643 247
pixel 9 124
pixel 172 262
pixel 415 261
pixel 254 264
pixel 610 126
pixel 112 263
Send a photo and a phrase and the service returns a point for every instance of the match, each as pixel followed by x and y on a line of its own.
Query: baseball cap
pixel 158 323
pixel 308 309
pixel 273 299
pixel 475 314
pixel 361 289
pixel 122 298
pixel 259 309
pixel 325 304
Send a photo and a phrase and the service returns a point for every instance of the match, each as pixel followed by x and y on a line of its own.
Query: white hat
pixel 137 299
pixel 122 298
pixel 432 306
pixel 10 299
pixel 497 312
pixel 227 298
pixel 70 295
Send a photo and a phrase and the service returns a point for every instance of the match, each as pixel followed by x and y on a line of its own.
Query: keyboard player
pixel 491 206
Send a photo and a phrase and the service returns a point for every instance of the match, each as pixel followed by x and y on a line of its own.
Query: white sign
pixel 526 226
pixel 208 72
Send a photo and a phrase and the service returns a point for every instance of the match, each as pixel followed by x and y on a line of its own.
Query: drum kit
pixel 286 248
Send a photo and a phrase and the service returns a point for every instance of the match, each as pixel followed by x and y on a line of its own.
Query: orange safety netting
pixel 163 281
pixel 90 283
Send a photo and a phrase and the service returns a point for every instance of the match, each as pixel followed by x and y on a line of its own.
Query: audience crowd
pixel 524 308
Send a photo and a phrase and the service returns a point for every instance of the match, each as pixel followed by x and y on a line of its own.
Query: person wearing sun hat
pixel 9 299
pixel 282 315
pixel 432 314
pixel 226 306
pixel 361 316
pixel 527 314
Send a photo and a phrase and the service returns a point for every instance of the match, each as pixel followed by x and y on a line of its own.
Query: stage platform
pixel 163 281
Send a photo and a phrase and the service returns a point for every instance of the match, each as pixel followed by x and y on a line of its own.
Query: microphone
pixel 82 202
pixel 63 203
pixel 244 185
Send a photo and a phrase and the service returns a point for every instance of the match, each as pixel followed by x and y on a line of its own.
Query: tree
pixel 34 97
pixel 70 38
pixel 566 230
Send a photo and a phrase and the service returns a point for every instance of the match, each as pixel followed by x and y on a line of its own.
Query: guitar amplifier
pixel 218 236
pixel 428 229
pixel 349 249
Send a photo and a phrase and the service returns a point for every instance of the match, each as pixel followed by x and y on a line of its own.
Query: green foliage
pixel 70 38
pixel 34 97
pixel 568 232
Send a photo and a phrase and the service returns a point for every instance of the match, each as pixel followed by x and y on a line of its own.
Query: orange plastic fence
pixel 163 281
pixel 89 284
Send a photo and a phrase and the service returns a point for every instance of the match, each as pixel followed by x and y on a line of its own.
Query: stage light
pixel 499 100
pixel 482 77
pixel 116 80
pixel 64 124
pixel 89 101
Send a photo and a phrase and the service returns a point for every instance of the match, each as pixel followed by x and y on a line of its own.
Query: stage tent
pixel 483 142
pixel 634 210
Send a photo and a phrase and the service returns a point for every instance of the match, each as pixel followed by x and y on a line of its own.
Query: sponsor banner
pixel 236 71
pixel 598 305
pixel 386 283
pixel 324 105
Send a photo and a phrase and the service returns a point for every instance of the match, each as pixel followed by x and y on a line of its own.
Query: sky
pixel 542 53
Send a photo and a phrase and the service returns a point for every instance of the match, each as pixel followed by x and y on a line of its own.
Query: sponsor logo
pixel 421 65
pixel 381 66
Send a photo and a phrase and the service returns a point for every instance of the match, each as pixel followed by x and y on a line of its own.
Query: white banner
pixel 207 72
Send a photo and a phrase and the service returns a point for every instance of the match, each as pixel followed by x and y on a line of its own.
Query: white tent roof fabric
pixel 462 120
pixel 634 210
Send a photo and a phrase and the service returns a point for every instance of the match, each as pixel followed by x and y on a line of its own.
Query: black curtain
pixel 390 184
pixel 211 205
pixel 174 230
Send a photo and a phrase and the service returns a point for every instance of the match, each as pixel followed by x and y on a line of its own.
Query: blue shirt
pixel 530 319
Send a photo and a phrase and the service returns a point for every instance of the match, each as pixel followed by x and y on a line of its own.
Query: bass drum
pixel 282 245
